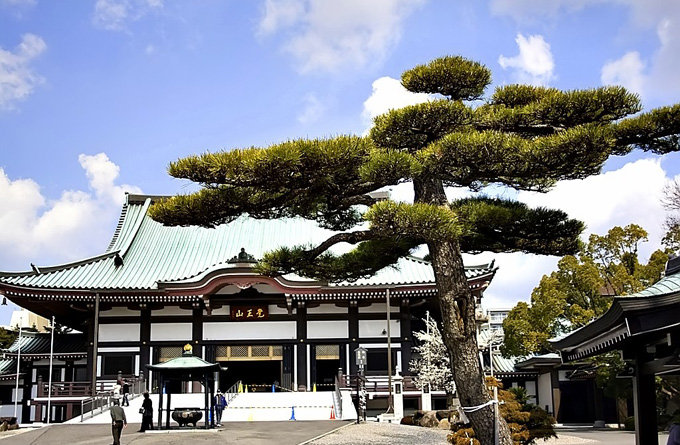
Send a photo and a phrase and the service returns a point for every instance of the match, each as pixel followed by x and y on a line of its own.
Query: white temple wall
pixel 274 309
pixel 260 330
pixel 374 328
pixel 119 312
pixel 171 332
pixel 119 332
pixel 373 308
pixel 171 310
pixel 545 391
pixel 327 309
pixel 327 329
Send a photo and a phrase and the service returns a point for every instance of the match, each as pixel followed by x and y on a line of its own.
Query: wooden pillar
pixel 206 389
pixel 406 336
pixel 167 409
pixel 287 377
pixel 353 314
pixel 27 385
pixel 301 365
pixel 644 399
pixel 145 339
pixel 160 401
pixel 91 356
pixel 197 329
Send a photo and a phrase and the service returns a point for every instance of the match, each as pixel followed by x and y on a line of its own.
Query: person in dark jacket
pixel 674 433
pixel 220 404
pixel 126 393
pixel 118 421
pixel 147 414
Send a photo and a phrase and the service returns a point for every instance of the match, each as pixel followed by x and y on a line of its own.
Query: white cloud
pixel 114 15
pixel 388 93
pixel 17 79
pixel 326 36
pixel 71 227
pixel 312 110
pixel 663 16
pixel 534 64
pixel 631 194
pixel 280 14
pixel 626 71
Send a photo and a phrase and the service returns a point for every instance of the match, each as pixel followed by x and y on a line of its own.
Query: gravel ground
pixel 563 439
pixel 392 434
pixel 383 433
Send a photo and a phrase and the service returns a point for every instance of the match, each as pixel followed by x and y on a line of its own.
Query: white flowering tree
pixel 432 363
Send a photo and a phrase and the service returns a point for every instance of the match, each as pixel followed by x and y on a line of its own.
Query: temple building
pixel 156 288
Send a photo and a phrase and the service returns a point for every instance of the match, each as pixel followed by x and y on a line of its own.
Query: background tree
pixel 432 364
pixel 522 137
pixel 7 337
pixel 671 202
pixel 581 289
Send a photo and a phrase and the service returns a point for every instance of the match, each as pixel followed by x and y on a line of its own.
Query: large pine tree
pixel 522 137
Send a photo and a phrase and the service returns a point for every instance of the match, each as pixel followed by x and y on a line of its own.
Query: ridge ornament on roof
pixel 242 257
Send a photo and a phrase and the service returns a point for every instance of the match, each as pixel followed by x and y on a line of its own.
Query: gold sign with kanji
pixel 249 313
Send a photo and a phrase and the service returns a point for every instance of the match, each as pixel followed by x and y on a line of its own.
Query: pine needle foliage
pixel 521 137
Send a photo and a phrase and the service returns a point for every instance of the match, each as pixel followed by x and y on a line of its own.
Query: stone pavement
pixel 256 433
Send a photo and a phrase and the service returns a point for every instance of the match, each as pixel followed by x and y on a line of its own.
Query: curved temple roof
pixel 144 255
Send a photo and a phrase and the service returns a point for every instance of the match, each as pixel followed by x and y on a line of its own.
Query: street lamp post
pixel 16 388
pixel 361 359
pixel 49 385
pixel 390 402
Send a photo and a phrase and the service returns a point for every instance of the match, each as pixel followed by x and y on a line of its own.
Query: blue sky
pixel 96 97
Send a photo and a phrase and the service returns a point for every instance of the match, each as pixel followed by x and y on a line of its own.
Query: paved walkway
pixel 256 433
pixel 287 433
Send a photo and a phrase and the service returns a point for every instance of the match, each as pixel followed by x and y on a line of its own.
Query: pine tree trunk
pixel 458 325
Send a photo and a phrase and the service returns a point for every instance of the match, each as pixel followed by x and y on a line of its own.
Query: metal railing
pixel 101 401
pixel 374 383
pixel 337 398
pixel 232 392
pixel 104 397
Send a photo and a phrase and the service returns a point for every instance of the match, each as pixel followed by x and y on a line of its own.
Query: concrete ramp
pixel 244 407
pixel 279 406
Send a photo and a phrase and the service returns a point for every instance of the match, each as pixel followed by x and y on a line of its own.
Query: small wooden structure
pixel 645 327
pixel 186 368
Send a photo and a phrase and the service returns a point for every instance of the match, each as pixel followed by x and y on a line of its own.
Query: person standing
pixel 116 391
pixel 147 413
pixel 126 392
pixel 118 421
pixel 220 404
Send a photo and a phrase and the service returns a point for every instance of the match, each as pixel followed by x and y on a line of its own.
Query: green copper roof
pixel 144 253
pixel 184 363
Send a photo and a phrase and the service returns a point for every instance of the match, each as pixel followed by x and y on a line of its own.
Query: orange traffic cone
pixel 332 413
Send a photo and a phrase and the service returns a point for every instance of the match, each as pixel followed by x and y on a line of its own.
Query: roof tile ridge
pixel 119 226
pixel 64 266
pixel 140 219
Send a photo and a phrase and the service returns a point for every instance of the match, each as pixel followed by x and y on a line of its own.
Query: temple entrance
pixel 258 366
pixel 327 364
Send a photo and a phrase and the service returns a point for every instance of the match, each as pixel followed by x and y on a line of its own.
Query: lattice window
pixel 277 352
pixel 169 352
pixel 236 352
pixel 259 351
pixel 328 352
pixel 222 353
pixel 244 352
